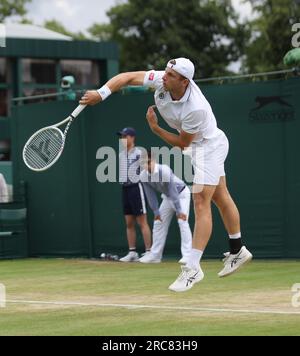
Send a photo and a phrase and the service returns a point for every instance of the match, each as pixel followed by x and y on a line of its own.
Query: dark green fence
pixel 13 226
pixel 71 214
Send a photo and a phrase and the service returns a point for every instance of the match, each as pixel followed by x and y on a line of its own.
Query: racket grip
pixel 78 110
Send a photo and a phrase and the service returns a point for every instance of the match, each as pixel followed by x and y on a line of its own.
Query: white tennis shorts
pixel 208 158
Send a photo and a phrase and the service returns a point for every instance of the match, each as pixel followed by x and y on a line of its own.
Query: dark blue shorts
pixel 134 201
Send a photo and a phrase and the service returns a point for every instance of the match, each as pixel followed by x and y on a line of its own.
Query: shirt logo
pixel 151 76
pixel 161 96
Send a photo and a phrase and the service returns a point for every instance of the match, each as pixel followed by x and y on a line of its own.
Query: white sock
pixel 194 259
pixel 235 236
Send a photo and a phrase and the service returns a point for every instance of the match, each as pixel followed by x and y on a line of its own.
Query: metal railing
pixel 18 100
pixel 219 80
pixel 295 71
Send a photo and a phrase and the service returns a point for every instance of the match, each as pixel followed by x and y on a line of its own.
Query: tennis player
pixel 184 107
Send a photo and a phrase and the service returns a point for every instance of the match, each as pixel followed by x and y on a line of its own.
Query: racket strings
pixel 44 148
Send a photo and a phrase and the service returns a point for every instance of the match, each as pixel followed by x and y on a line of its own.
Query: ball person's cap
pixel 127 131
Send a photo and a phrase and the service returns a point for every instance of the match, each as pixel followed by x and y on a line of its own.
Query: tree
pixel 12 8
pixel 103 32
pixel 56 26
pixel 151 32
pixel 271 34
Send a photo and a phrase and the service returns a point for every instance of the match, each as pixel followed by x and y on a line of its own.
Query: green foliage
pixel 56 26
pixel 151 32
pixel 102 32
pixel 271 33
pixel 12 7
pixel 208 32
pixel 26 21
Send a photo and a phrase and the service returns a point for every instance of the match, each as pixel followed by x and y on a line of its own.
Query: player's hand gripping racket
pixel 44 148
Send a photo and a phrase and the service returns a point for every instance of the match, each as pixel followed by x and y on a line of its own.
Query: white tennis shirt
pixel 192 113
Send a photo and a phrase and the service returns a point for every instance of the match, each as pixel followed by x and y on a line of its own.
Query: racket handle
pixel 78 110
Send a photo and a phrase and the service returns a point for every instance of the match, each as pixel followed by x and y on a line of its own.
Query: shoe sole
pixel 129 261
pixel 149 262
pixel 249 259
pixel 185 290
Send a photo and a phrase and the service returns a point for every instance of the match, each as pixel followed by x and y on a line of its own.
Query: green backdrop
pixel 71 214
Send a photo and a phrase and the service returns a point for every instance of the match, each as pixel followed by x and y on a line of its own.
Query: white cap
pixel 182 66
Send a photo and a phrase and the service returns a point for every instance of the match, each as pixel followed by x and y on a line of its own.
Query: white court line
pixel 137 306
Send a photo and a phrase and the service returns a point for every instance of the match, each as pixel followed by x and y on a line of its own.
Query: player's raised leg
pixel 184 226
pixel 192 272
pixel 239 255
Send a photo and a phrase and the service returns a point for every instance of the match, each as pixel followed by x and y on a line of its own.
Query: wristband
pixel 104 92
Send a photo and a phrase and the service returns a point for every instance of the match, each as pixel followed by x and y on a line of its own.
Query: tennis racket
pixel 44 148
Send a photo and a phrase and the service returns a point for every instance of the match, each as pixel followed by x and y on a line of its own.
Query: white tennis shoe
pixel 149 258
pixel 183 260
pixel 232 263
pixel 187 278
pixel 132 256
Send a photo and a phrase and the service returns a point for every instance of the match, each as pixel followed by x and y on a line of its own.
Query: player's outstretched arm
pixel 93 97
